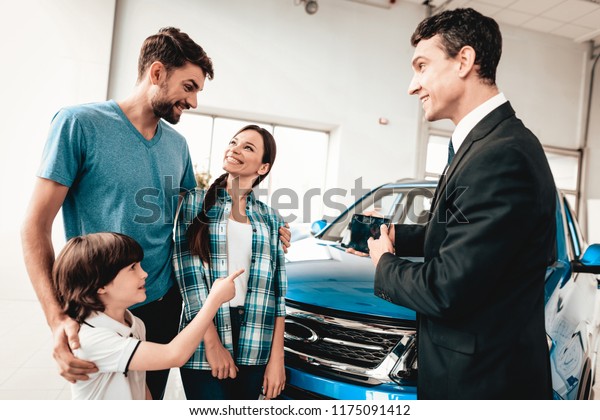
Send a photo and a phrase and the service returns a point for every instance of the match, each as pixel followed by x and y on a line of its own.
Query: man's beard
pixel 165 110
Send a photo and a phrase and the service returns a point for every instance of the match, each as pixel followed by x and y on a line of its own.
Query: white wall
pixel 55 53
pixel 544 77
pixel 340 69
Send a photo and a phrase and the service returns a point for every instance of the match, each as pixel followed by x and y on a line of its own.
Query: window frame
pixel 272 127
pixel 576 153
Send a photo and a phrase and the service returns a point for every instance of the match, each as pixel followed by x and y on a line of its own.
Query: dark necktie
pixel 450 152
pixel 437 190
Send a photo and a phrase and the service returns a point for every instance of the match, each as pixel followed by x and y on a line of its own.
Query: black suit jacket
pixel 479 294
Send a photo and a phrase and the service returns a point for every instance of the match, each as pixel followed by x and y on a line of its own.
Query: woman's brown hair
pixel 87 263
pixel 198 233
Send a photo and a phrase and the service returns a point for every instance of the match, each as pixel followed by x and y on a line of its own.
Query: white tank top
pixel 239 255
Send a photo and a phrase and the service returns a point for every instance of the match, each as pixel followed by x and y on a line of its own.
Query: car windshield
pixel 402 204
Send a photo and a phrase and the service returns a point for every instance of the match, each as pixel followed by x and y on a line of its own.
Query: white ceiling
pixel 578 20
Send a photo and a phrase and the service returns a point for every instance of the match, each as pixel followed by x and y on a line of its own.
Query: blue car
pixel 343 342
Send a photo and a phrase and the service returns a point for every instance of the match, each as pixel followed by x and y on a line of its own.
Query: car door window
pixel 384 202
pixel 401 205
pixel 418 205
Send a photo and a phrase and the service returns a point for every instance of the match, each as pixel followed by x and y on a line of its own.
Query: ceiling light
pixel 311 6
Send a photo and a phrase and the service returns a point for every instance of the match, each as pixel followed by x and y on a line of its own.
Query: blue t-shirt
pixel 119 181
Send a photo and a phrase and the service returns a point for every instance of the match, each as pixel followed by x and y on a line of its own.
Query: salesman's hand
pixel 66 338
pixel 378 247
pixel 285 236
pixel 391 230
pixel 391 234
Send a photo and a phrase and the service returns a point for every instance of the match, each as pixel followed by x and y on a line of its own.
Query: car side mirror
pixel 318 226
pixel 590 261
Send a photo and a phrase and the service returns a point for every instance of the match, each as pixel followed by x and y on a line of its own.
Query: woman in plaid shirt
pixel 218 231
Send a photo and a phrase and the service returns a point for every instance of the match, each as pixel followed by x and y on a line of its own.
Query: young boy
pixel 96 277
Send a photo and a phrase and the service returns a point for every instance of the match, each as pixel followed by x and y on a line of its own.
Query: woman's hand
pixel 285 236
pixel 218 357
pixel 274 379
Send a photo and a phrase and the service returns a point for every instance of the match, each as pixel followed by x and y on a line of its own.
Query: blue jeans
pixel 247 385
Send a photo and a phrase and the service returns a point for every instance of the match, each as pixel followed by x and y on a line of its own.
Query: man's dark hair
pixel 174 49
pixel 87 263
pixel 461 27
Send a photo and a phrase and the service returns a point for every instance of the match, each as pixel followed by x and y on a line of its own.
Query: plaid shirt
pixel 267 280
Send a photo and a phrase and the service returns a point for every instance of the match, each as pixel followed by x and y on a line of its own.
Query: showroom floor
pixel 27 370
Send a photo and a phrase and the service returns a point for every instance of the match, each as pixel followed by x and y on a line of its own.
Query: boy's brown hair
pixel 86 264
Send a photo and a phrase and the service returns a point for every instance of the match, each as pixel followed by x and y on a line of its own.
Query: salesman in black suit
pixel 479 294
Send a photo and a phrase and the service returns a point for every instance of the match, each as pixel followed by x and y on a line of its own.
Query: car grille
pixel 347 345
pixel 352 347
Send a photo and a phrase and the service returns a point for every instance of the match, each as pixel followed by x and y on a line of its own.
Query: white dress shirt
pixel 469 121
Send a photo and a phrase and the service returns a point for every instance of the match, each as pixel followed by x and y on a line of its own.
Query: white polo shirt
pixel 110 345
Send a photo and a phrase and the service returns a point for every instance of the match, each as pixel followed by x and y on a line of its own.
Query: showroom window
pixel 294 186
pixel 564 163
pixel 566 168
pixel 437 154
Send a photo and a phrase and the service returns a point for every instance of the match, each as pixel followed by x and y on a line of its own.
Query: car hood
pixel 321 274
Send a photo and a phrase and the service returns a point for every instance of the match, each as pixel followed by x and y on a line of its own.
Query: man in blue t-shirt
pixel 116 166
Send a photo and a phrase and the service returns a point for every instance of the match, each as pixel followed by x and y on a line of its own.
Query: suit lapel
pixel 480 131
